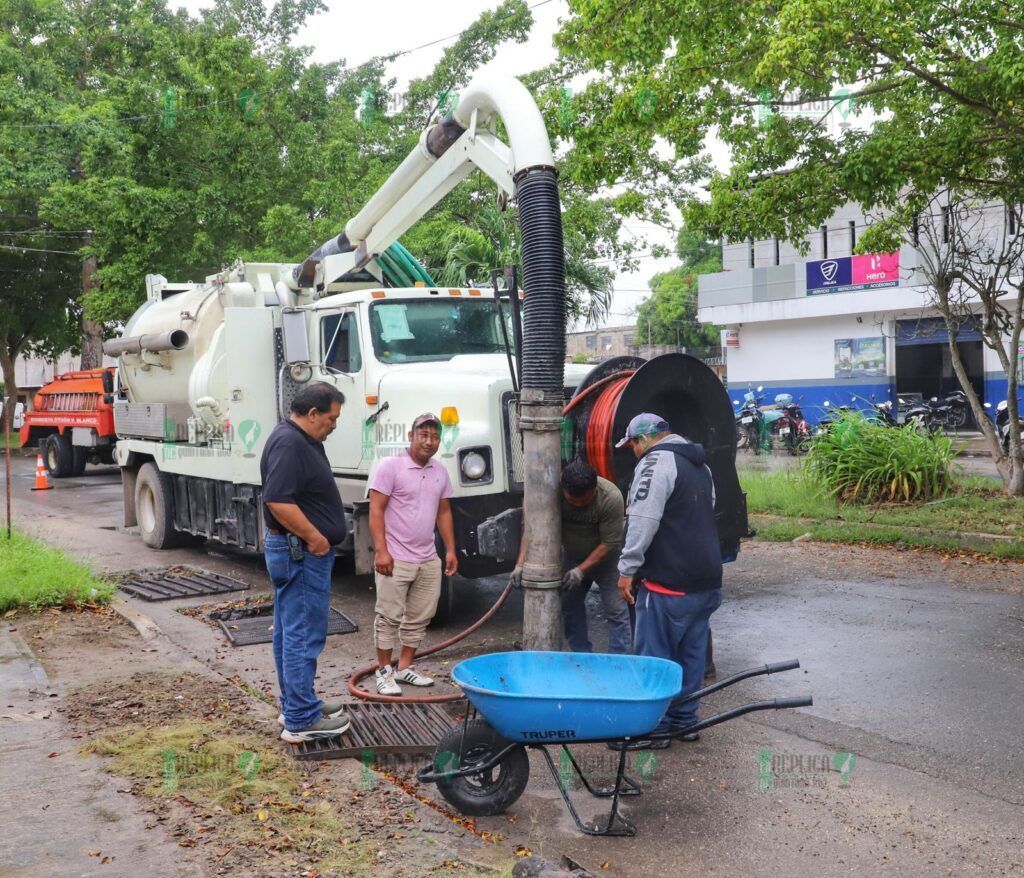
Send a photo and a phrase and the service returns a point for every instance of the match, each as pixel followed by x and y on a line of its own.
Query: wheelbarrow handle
pixel 794 701
pixel 788 665
pixel 725 716
pixel 774 668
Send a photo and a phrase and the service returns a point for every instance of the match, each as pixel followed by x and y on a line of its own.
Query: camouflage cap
pixel 427 418
pixel 644 424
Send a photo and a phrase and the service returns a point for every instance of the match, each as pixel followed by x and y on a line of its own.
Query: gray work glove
pixel 515 578
pixel 572 579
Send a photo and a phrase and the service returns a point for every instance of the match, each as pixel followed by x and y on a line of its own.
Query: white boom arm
pixel 439 163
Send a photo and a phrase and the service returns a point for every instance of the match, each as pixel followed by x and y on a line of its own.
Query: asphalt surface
pixel 916 665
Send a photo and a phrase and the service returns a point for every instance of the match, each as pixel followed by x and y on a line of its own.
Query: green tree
pixel 934 92
pixel 669 314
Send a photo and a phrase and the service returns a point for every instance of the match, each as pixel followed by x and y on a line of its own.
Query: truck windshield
pixel 415 330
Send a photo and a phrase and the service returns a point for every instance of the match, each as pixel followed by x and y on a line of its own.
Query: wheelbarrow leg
pixel 625 827
pixel 630 786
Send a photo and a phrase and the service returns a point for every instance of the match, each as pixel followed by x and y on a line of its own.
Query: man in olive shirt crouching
pixel 304 519
pixel 593 514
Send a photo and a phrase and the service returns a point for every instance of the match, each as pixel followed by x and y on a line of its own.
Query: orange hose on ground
pixel 353 681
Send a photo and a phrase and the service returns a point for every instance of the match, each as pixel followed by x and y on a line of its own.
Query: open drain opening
pixel 177 582
pixel 250 625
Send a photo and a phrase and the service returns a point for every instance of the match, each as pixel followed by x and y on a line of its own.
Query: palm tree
pixel 471 253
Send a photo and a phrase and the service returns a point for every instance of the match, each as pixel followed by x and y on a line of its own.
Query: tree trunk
pixel 92 332
pixel 10 385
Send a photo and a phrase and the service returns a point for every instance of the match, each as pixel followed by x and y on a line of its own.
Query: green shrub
pixel 863 462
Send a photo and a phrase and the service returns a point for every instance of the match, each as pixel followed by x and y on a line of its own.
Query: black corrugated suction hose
pixel 543 255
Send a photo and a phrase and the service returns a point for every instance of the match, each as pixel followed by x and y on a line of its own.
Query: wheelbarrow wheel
pixel 491 791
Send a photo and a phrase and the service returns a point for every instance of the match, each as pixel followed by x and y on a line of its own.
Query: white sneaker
pixel 330 710
pixel 386 684
pixel 412 678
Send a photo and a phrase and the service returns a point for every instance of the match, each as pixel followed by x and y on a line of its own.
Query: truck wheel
pixel 58 456
pixel 79 457
pixel 491 791
pixel 154 507
pixel 445 603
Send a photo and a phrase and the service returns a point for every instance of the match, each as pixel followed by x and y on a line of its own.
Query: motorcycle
pixel 931 415
pixel 951 412
pixel 882 413
pixel 748 420
pixel 793 429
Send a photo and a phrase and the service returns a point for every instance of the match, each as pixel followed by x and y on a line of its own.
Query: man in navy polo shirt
pixel 304 519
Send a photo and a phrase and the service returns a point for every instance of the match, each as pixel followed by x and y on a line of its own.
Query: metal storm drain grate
pixel 162 585
pixel 384 729
pixel 256 625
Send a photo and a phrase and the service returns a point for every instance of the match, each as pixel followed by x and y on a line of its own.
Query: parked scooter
pixel 1002 421
pixel 883 413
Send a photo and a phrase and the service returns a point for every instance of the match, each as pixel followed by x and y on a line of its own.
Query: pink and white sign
pixel 873 270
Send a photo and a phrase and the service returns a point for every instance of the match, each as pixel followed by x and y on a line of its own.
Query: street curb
pixel 147 628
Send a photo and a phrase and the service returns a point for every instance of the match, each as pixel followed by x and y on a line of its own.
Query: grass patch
pixel 782 531
pixel 34 575
pixel 975 505
pixel 218 770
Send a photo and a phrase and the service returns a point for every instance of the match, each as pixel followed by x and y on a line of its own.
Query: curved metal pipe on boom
pixel 172 340
pixel 491 96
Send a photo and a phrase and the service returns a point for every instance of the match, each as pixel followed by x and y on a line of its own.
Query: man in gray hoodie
pixel 671 548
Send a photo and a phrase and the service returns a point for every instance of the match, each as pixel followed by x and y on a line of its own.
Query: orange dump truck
pixel 72 422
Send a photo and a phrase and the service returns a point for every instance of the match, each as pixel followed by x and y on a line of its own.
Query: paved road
pixel 916 665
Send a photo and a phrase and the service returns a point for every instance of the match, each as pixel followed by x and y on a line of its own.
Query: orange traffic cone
pixel 42 479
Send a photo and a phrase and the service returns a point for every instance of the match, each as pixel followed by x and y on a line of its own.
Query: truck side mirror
pixel 295 337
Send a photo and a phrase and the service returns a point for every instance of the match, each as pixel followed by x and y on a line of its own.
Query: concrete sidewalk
pixel 63 816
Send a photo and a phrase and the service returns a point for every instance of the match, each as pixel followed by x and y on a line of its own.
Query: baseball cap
pixel 644 424
pixel 427 418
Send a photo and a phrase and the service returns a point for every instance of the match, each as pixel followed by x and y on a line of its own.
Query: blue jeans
pixel 676 627
pixel 616 610
pixel 302 602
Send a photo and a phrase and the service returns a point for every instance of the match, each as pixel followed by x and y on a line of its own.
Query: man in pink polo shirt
pixel 408 498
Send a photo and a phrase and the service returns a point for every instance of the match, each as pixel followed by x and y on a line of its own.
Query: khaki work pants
pixel 406 602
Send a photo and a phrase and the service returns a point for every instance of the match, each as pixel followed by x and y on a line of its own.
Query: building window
pixel 824 242
pixel 853 235
pixel 1012 220
pixel 591 341
pixel 947 223
pixel 776 241
pixel 750 252
pixel 606 342
pixel 915 230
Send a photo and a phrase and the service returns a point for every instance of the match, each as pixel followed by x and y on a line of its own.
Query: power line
pixel 19 249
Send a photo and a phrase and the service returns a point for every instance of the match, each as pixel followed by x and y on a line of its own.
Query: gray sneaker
pixel 322 728
pixel 330 710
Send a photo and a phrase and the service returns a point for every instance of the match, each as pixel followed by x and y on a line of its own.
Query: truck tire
pixel 58 456
pixel 79 457
pixel 154 508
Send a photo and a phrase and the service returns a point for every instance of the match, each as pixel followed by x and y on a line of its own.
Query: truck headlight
pixel 475 465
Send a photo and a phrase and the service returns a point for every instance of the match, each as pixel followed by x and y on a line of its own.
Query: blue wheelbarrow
pixel 540 699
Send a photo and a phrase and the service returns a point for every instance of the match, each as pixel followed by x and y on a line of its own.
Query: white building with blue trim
pixel 830 325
